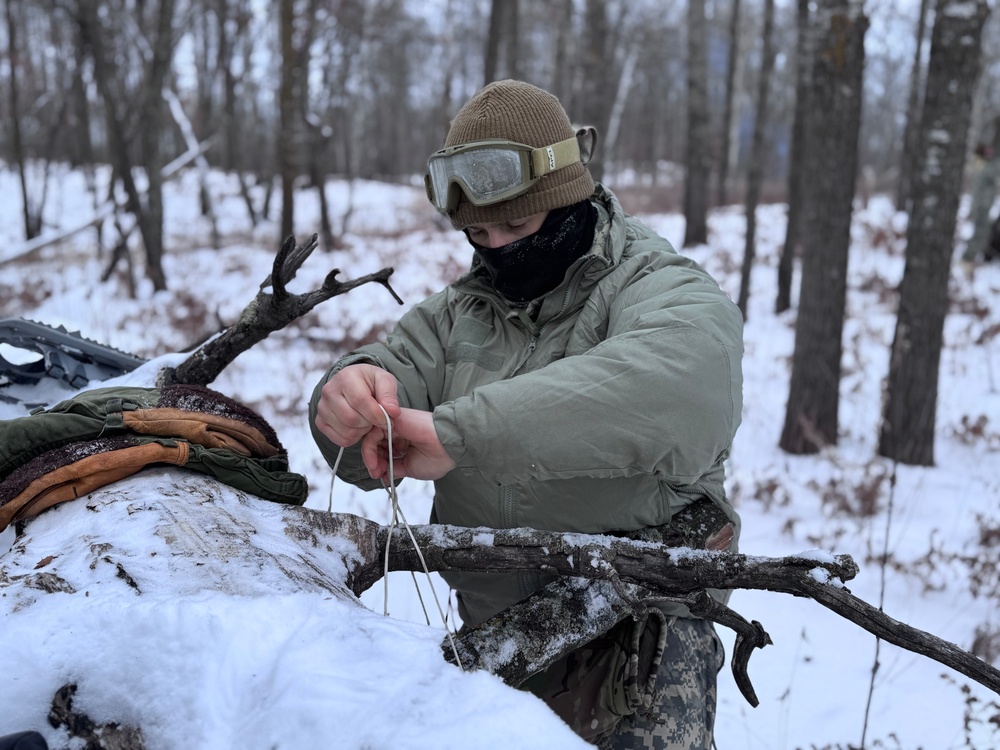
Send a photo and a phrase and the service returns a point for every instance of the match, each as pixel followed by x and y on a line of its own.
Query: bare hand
pixel 349 403
pixel 416 450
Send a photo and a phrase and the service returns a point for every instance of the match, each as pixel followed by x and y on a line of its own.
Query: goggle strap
pixel 550 158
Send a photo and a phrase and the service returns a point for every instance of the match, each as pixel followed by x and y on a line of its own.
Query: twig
pixel 881 601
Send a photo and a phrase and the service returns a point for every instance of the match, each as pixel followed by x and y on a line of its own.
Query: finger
pixel 385 390
pixel 361 409
pixel 344 438
pixel 399 447
pixel 336 418
pixel 372 453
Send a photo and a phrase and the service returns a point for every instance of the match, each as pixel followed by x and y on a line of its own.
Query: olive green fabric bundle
pixel 104 435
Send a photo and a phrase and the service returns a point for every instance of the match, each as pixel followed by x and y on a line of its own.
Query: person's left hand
pixel 416 450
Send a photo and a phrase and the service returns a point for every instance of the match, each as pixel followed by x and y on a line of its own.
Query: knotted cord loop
pixel 397 515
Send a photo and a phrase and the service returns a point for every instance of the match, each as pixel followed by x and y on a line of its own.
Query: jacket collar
pixel 604 255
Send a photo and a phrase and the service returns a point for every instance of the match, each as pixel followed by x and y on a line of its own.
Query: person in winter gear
pixel 581 377
pixel 986 171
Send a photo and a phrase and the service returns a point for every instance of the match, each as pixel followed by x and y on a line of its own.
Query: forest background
pixel 700 105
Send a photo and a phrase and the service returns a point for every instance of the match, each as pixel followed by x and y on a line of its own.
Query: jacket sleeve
pixel 660 394
pixel 414 354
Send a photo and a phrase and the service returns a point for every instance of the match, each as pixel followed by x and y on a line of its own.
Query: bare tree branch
pixel 622 574
pixel 676 575
pixel 266 313
pixel 101 212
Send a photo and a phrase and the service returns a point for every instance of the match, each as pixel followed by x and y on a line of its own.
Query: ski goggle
pixel 489 172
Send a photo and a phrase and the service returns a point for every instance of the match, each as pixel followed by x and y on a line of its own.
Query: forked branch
pixel 266 313
pixel 603 579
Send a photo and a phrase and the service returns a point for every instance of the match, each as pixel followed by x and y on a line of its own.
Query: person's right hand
pixel 349 403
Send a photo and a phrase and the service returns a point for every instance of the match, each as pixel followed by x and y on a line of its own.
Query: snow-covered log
pixel 173 534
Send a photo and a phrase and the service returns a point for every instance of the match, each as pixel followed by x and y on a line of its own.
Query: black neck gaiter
pixel 527 268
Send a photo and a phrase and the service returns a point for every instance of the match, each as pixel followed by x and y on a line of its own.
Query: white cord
pixel 333 478
pixel 397 514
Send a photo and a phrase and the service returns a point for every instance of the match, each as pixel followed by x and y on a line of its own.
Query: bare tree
pixel 287 95
pixel 594 108
pixel 235 48
pixel 152 124
pixel 127 125
pixel 797 158
pixel 834 121
pixel 562 13
pixel 913 103
pixel 697 152
pixel 501 59
pixel 36 119
pixel 908 416
pixel 756 171
pixel 726 131
pixel 32 214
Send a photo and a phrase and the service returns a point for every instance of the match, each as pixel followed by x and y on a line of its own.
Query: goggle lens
pixel 484 174
pixel 492 171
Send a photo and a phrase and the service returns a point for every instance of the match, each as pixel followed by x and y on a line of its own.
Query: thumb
pixel 385 392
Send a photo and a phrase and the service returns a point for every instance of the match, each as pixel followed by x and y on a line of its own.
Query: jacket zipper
pixel 526 579
pixel 570 292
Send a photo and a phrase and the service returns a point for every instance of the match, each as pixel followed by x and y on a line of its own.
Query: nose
pixel 498 237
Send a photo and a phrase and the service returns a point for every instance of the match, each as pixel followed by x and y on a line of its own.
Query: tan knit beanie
pixel 517 111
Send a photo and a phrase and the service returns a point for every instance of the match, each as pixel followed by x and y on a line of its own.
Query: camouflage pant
pixel 682 716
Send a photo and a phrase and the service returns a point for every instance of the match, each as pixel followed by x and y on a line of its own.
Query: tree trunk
pixel 512 39
pixel 797 158
pixel 727 131
pixel 92 38
pixel 908 418
pixel 32 213
pixel 697 157
pixel 562 73
pixel 501 58
pixel 910 132
pixel 224 540
pixel 756 172
pixel 983 191
pixel 491 60
pixel 595 105
pixel 153 119
pixel 287 141
pixel 835 117
pixel 636 47
pixel 81 120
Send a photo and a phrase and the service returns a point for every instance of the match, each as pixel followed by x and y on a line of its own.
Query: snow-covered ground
pixel 298 671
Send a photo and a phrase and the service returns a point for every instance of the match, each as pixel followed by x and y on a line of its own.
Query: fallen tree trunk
pixel 192 533
pixel 102 212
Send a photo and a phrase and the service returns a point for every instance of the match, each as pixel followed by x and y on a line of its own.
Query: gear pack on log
pixel 101 436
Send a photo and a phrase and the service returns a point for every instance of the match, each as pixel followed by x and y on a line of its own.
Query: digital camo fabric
pixel 682 716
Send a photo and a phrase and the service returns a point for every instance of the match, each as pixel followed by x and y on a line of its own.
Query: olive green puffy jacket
pixel 608 405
